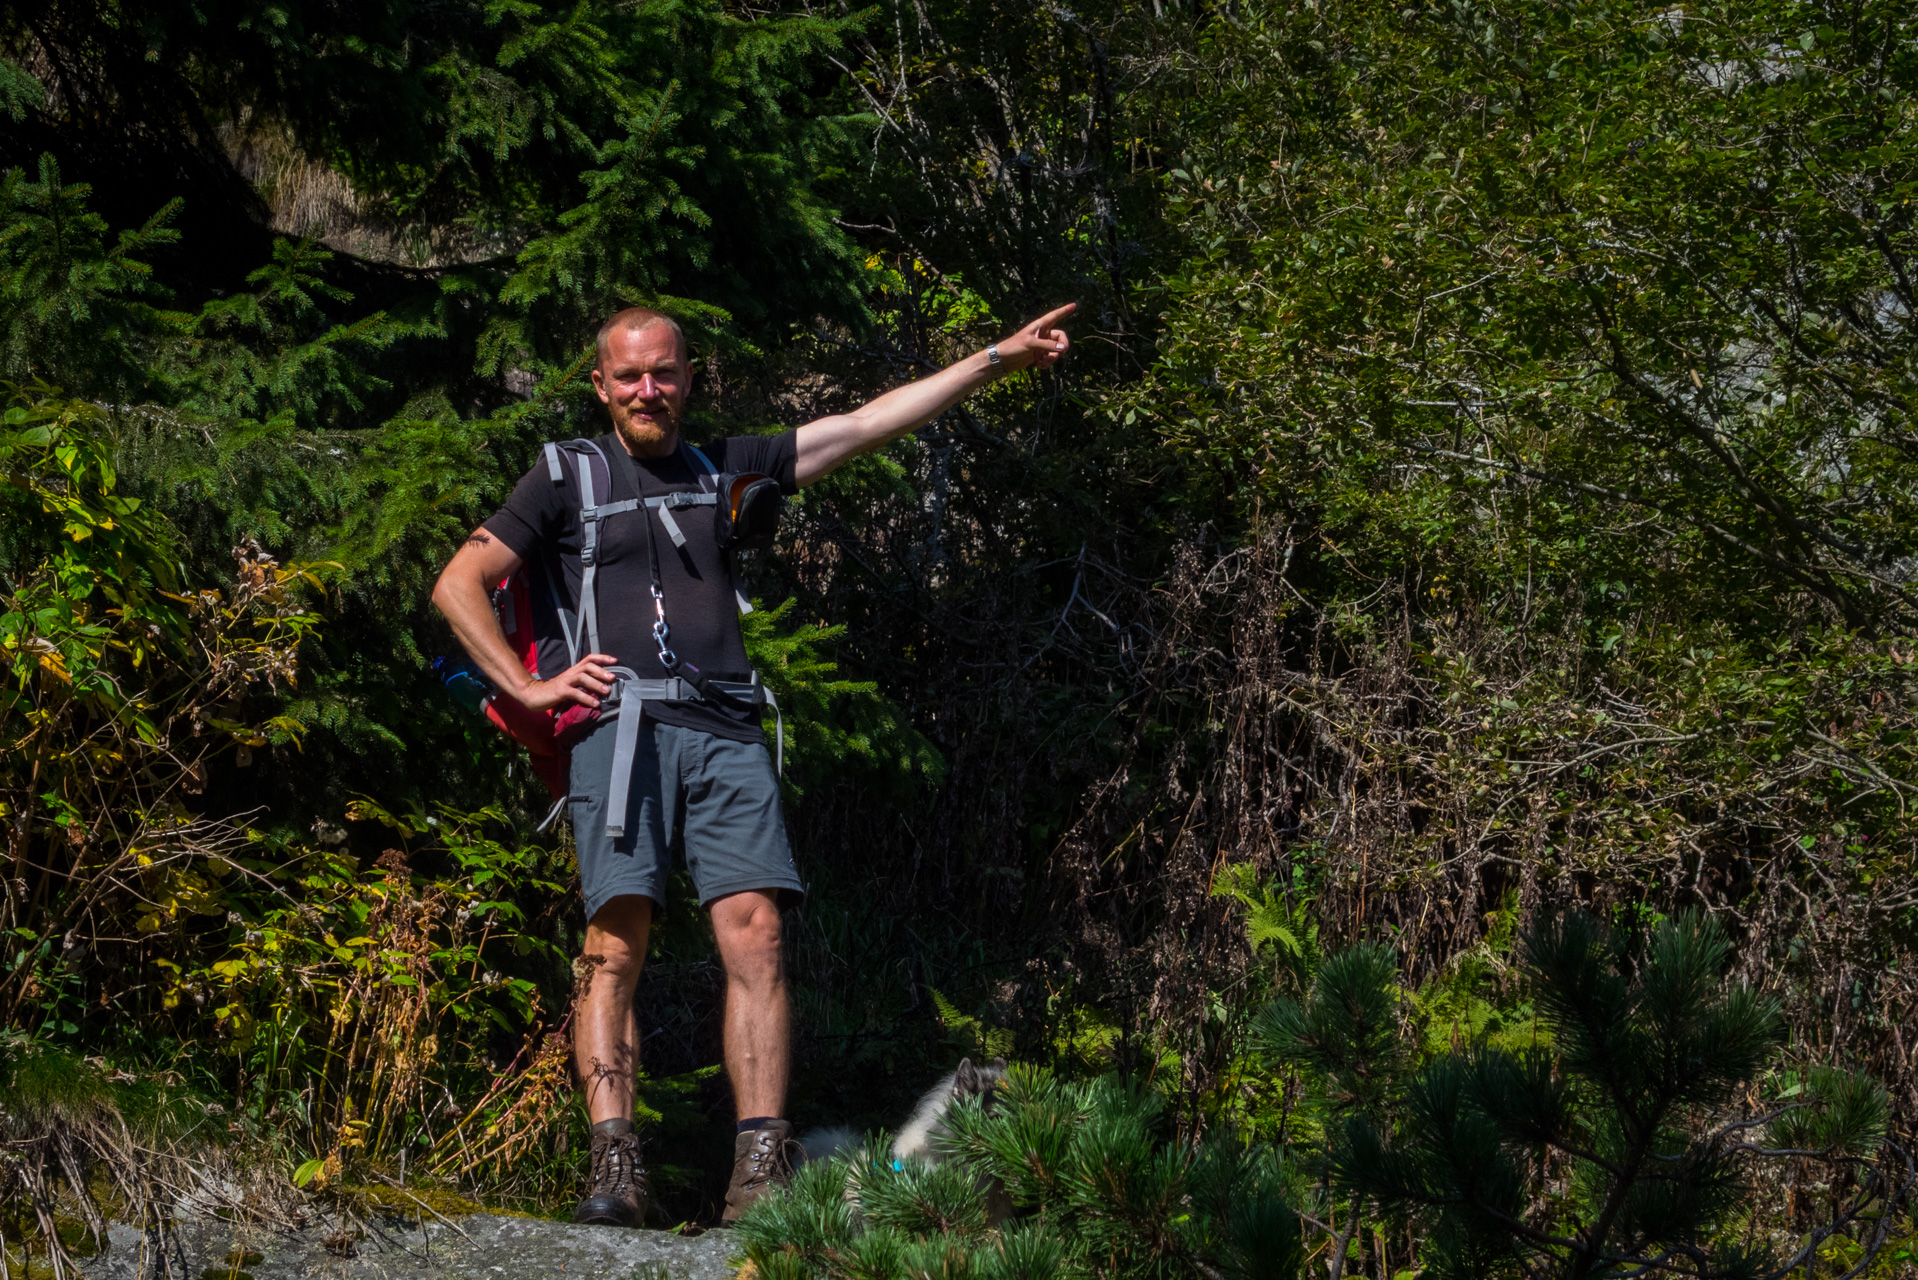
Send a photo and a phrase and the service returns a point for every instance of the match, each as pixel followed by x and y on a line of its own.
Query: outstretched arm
pixel 828 442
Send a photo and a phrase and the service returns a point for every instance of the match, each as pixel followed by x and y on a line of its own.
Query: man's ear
pixel 599 386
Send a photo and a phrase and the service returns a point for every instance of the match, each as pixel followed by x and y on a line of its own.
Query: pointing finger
pixel 1052 317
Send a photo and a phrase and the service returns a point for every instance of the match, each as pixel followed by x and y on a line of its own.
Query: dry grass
pixel 80 1146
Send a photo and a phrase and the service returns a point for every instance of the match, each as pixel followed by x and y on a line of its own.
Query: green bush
pixel 1095 1184
pixel 1630 1136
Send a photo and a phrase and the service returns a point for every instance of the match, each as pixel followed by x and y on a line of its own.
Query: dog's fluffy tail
pixel 825 1144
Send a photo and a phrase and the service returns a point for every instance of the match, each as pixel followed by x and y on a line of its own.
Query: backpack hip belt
pixel 631 692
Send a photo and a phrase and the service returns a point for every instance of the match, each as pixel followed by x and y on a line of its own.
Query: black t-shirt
pixel 699 595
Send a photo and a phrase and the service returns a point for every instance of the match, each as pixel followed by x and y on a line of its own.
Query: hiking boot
pixel 762 1163
pixel 619 1192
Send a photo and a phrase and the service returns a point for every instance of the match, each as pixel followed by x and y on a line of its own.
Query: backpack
pixel 549 631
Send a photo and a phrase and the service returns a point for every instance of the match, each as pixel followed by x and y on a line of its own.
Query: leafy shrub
pixel 123 682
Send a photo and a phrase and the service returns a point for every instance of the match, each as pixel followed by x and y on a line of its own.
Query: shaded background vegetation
pixel 1482 485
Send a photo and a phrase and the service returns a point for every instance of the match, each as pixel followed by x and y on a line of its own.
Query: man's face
pixel 643 382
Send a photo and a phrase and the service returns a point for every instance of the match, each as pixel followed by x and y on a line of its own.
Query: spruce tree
pixel 364 388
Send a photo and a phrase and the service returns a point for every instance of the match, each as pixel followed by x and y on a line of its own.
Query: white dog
pixel 923 1139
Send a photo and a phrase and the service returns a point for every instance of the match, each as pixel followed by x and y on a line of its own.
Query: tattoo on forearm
pixel 480 538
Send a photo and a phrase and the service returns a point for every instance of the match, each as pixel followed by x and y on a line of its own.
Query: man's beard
pixel 638 432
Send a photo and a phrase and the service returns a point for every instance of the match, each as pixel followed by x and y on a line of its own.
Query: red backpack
pixel 537 731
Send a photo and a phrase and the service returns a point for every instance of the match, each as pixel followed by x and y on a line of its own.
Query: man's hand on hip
pixel 464 595
pixel 585 682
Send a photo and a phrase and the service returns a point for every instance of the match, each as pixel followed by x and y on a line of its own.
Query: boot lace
pixel 616 1167
pixel 771 1163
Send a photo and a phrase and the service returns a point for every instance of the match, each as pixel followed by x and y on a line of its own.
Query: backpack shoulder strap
pixel 552 577
pixel 595 478
pixel 710 475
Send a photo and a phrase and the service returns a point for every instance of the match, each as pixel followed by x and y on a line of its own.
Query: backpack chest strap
pixel 678 502
pixel 590 518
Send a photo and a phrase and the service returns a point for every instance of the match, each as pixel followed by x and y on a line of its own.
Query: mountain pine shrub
pixel 1633 1138
pixel 1097 1188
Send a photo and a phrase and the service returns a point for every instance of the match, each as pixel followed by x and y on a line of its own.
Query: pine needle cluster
pixel 1624 1141
pixel 1094 1184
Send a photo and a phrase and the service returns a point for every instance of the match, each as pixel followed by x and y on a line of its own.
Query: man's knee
pixel 615 946
pixel 747 928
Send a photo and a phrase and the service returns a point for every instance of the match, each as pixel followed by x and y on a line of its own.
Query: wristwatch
pixel 992 355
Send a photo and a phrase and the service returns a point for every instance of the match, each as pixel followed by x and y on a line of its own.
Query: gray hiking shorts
pixel 715 798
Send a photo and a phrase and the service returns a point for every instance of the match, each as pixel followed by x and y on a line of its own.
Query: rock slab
pixel 478 1247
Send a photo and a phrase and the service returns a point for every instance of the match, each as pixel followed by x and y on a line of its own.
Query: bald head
pixel 634 319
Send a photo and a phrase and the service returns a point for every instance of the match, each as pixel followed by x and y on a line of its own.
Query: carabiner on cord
pixel 662 632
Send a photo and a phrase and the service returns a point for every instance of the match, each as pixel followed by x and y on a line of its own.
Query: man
pixel 697 768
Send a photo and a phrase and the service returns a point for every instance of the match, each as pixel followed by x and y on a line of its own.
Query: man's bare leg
pixel 606 1038
pixel 758 1034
